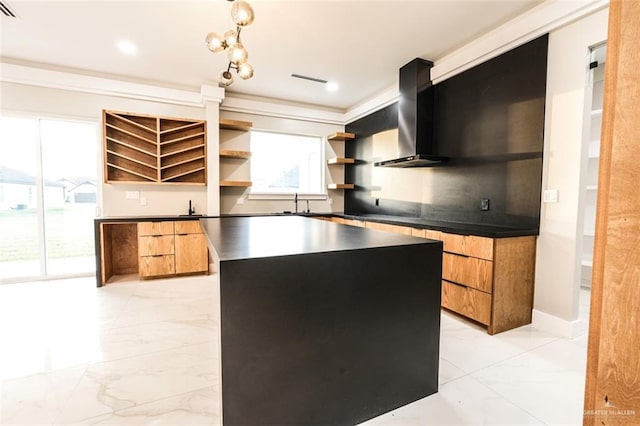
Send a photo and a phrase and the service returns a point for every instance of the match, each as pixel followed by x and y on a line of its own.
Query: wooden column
pixel 612 394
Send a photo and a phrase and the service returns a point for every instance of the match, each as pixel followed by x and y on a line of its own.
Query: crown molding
pixel 546 17
pixel 280 109
pixel 34 76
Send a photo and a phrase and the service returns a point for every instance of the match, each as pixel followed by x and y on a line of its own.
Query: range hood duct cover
pixel 416 146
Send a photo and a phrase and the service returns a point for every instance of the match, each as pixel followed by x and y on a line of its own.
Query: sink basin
pixel 189 215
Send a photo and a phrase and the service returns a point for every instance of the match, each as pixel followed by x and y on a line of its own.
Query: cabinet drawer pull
pixel 457 254
pixel 456 284
pixel 157 255
pixel 183 234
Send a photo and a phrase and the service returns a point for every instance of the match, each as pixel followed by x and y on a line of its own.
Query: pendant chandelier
pixel 241 15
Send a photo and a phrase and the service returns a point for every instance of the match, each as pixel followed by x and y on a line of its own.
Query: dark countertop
pixel 483 230
pixel 285 235
pixel 150 218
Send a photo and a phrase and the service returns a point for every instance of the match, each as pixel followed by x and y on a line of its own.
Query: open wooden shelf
pixel 243 126
pixel 237 183
pixel 341 136
pixel 341 160
pixel 232 153
pixel 340 186
pixel 149 149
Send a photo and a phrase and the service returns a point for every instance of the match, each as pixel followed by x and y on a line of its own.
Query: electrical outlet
pixel 484 204
pixel 143 201
pixel 550 196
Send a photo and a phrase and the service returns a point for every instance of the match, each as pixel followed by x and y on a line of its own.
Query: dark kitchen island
pixel 322 323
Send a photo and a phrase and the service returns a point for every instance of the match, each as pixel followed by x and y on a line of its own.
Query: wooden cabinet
pixel 156 249
pixel 143 148
pixel 488 280
pixel 171 248
pixel 192 255
pixel 388 228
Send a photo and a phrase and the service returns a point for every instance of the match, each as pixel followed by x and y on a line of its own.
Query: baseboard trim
pixel 555 325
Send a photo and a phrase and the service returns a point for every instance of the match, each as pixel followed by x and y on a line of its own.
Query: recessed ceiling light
pixel 126 47
pixel 332 86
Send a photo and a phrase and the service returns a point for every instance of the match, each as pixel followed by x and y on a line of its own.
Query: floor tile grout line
pixel 90 364
pixel 555 339
pixel 499 395
pixel 149 402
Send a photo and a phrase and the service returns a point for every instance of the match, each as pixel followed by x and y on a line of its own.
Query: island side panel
pixel 329 338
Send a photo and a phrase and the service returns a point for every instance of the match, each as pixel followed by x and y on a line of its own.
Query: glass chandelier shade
pixel 245 71
pixel 242 15
pixel 230 37
pixel 215 42
pixel 238 54
pixel 225 78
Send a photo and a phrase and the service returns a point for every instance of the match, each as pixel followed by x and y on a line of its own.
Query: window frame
pixel 289 195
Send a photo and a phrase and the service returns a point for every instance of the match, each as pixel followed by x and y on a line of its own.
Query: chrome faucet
pixel 191 210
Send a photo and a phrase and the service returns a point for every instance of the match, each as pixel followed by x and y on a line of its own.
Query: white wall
pixel 240 170
pixel 566 127
pixel 58 103
pixel 27 99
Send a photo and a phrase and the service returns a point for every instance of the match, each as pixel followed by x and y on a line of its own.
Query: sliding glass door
pixel 48 194
pixel 21 251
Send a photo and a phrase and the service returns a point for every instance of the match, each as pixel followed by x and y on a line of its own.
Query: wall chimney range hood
pixel 416 145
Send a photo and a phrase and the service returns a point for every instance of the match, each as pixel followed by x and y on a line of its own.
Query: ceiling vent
pixel 304 77
pixel 6 11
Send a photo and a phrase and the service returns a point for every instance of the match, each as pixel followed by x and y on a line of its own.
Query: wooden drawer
pixel 466 301
pixel 153 246
pixel 155 266
pixel 188 227
pixel 468 245
pixel 427 233
pixel 155 228
pixel 389 228
pixel 470 271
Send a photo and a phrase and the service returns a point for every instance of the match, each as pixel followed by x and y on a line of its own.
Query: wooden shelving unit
pixel 340 186
pixel 243 126
pixel 232 153
pixel 341 136
pixel 235 183
pixel 150 149
pixel 341 160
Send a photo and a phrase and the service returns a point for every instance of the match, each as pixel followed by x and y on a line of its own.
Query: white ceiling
pixel 358 44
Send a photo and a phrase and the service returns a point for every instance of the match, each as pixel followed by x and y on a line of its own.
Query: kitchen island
pixel 323 323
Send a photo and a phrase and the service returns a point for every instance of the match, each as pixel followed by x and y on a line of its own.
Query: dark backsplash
pixel 490 121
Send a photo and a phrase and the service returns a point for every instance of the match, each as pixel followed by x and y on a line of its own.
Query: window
pixel 286 163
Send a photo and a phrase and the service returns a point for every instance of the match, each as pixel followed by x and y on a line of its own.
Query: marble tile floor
pixel 144 353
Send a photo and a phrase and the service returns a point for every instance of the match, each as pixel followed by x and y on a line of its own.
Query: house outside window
pixel 286 163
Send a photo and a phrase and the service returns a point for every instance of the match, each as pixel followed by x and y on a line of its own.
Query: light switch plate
pixel 143 201
pixel 132 195
pixel 550 196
